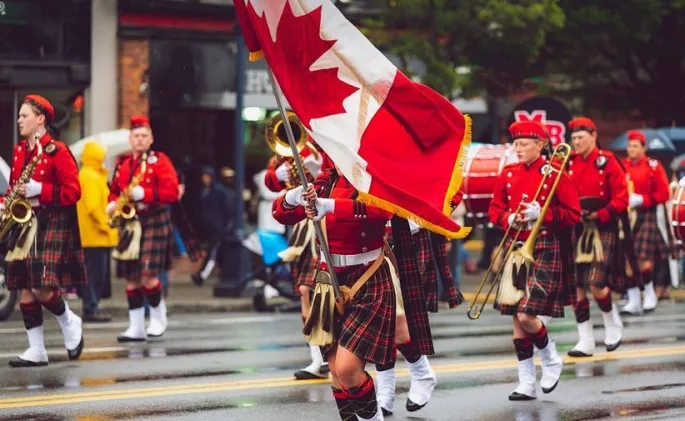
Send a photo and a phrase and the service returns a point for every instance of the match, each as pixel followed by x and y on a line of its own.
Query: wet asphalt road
pixel 239 367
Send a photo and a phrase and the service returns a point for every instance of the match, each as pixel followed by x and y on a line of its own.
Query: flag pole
pixel 303 179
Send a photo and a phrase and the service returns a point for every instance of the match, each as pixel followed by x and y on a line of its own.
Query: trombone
pixel 523 256
pixel 277 140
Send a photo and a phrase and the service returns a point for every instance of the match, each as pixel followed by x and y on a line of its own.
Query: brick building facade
pixel 133 65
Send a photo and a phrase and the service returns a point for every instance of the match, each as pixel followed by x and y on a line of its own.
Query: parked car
pixel 8 299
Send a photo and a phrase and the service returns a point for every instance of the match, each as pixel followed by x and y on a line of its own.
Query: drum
pixel 483 165
pixel 678 214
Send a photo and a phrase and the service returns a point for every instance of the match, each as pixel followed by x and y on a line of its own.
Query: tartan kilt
pixel 605 273
pixel 58 261
pixel 649 245
pixel 155 247
pixel 426 267
pixel 303 270
pixel 544 294
pixel 367 329
pixel 413 292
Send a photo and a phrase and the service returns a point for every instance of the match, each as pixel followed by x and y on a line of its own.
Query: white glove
pixel 137 193
pixel 313 165
pixel 283 173
pixel 295 197
pixel 511 219
pixel 33 188
pixel 681 183
pixel 531 212
pixel 323 206
pixel 414 227
pixel 110 207
pixel 2 206
pixel 635 200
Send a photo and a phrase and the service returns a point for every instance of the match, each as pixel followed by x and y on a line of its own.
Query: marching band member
pixel 651 189
pixel 145 254
pixel 602 187
pixel 55 257
pixel 366 332
pixel 416 253
pixel 546 290
pixel 279 175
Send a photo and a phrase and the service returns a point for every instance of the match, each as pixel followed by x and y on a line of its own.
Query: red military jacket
pixel 519 179
pixel 600 175
pixel 649 180
pixel 352 228
pixel 160 181
pixel 57 171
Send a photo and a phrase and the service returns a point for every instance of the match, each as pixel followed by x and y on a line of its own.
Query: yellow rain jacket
pixel 92 216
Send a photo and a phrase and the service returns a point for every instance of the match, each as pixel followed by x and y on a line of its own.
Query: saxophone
pixel 18 210
pixel 123 209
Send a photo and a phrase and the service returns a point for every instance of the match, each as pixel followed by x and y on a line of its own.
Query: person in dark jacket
pixel 216 216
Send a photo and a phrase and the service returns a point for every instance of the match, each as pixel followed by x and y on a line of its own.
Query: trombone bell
pixel 277 137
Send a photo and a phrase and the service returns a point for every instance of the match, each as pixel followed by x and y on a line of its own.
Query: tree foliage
pixel 626 56
pixel 499 40
pixel 623 57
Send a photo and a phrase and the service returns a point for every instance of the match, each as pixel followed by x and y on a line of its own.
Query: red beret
pixel 529 130
pixel 43 105
pixel 637 135
pixel 139 121
pixel 582 123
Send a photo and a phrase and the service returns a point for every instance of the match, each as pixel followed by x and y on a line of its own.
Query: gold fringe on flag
pixel 256 55
pixel 455 184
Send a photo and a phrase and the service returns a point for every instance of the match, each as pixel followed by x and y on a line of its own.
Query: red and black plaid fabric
pixel 544 295
pixel 649 245
pixel 303 270
pixel 413 292
pixel 58 261
pixel 424 261
pixel 155 248
pixel 439 248
pixel 367 329
pixel 608 272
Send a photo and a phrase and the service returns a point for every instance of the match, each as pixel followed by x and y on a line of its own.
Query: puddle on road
pixel 128 415
pixel 645 388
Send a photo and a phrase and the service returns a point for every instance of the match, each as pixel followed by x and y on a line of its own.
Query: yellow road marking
pixel 189 389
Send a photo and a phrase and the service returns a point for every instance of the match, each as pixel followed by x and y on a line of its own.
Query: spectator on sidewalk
pixel 217 216
pixel 97 237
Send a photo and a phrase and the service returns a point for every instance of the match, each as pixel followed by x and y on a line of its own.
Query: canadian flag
pixel 401 144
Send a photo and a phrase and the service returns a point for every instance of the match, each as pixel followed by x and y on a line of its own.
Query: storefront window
pixel 45 29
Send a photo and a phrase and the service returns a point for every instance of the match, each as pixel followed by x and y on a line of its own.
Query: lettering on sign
pixel 257 82
pixel 556 129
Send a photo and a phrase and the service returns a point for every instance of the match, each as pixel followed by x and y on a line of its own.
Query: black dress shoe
pixel 18 362
pixel 96 318
pixel 386 413
pixel 413 407
pixel 197 279
pixel 516 396
pixel 124 339
pixel 74 354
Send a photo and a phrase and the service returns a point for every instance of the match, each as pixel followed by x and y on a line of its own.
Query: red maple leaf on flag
pixel 311 93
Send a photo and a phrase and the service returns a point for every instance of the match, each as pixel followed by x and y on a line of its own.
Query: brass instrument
pixel 522 257
pixel 277 140
pixel 18 210
pixel 125 210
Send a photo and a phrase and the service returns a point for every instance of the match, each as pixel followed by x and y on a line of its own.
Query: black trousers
pixel 97 270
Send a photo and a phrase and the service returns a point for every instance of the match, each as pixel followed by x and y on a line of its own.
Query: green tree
pixel 623 57
pixel 499 40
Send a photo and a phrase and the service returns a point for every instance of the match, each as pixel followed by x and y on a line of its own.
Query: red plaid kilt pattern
pixel 544 295
pixel 439 248
pixel 367 329
pixel 406 251
pixel 155 248
pixel 649 245
pixel 303 270
pixel 605 273
pixel 58 261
